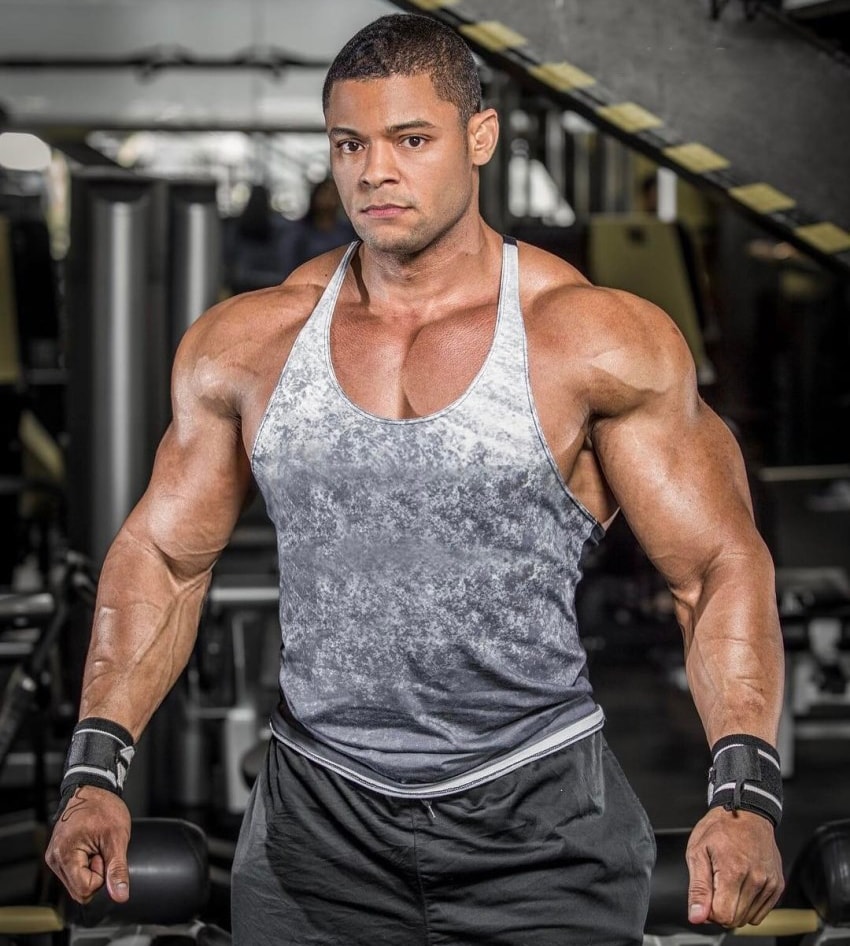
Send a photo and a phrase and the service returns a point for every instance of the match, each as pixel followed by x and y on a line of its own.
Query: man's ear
pixel 483 132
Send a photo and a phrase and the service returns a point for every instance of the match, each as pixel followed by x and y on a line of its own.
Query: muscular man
pixel 440 422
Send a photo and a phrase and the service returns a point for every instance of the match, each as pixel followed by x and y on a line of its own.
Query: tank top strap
pixel 327 303
pixel 511 328
pixel 308 358
pixel 505 368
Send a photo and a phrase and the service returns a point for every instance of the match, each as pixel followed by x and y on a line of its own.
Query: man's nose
pixel 380 165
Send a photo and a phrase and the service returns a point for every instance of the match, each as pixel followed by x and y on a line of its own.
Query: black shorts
pixel 556 853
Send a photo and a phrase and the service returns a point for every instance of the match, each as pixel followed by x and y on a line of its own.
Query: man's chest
pixel 401 369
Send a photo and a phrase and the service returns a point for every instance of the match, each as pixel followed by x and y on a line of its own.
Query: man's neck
pixel 448 271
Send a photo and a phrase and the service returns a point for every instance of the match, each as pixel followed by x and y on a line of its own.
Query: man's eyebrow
pixel 416 124
pixel 413 125
pixel 338 131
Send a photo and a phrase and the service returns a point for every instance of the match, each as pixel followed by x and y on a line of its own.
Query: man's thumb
pixel 699 891
pixel 118 878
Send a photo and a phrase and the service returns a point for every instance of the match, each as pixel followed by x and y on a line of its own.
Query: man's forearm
pixel 145 625
pixel 734 652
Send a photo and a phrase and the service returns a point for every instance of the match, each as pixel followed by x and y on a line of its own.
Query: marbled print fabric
pixel 428 566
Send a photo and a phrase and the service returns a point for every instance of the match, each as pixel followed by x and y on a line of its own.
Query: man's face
pixel 401 160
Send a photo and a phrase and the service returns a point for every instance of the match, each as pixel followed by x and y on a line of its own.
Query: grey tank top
pixel 428 570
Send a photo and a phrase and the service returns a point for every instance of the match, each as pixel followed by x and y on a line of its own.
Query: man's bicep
pixel 672 464
pixel 679 478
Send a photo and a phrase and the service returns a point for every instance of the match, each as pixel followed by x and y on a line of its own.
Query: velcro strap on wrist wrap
pixel 100 754
pixel 745 775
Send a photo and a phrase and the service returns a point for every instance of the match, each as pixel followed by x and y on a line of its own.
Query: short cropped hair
pixel 403 44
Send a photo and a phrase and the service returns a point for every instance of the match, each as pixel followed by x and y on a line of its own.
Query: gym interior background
pixel 159 155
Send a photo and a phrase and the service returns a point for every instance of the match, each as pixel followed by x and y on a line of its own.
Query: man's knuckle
pixel 777 887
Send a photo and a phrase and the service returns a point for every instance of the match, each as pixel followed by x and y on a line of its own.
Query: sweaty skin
pixel 615 390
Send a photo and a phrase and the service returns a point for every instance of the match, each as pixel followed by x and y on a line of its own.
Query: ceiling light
pixel 22 152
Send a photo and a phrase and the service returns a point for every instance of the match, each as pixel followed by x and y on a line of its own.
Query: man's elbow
pixel 738 570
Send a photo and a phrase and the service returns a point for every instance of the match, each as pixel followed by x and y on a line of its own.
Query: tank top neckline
pixel 330 307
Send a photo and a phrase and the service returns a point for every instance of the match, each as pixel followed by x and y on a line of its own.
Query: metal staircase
pixel 732 94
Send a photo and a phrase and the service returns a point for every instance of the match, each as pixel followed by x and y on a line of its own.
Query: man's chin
pixel 396 244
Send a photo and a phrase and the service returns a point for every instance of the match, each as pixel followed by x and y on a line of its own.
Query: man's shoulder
pixel 542 271
pixel 557 297
pixel 256 318
pixel 245 337
pixel 617 346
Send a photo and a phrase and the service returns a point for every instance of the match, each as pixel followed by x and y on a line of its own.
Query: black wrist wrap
pixel 100 754
pixel 745 775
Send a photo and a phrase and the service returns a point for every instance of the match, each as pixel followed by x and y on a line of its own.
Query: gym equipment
pixel 805 518
pixel 644 255
pixel 167 859
pixel 10 364
pixel 117 352
pixel 143 265
pixel 237 604
pixel 816 904
pixel 10 377
pixel 27 688
pixel 195 236
pixel 227 692
pixel 821 874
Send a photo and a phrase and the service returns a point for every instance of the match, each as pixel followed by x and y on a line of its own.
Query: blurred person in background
pixel 324 227
pixel 258 246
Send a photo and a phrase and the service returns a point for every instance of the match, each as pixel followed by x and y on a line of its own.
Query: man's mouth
pixel 384 210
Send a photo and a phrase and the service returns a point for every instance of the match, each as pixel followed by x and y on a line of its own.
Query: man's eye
pixel 349 147
pixel 415 141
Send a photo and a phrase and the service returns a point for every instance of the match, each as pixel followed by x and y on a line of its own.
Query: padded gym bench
pixel 169 887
